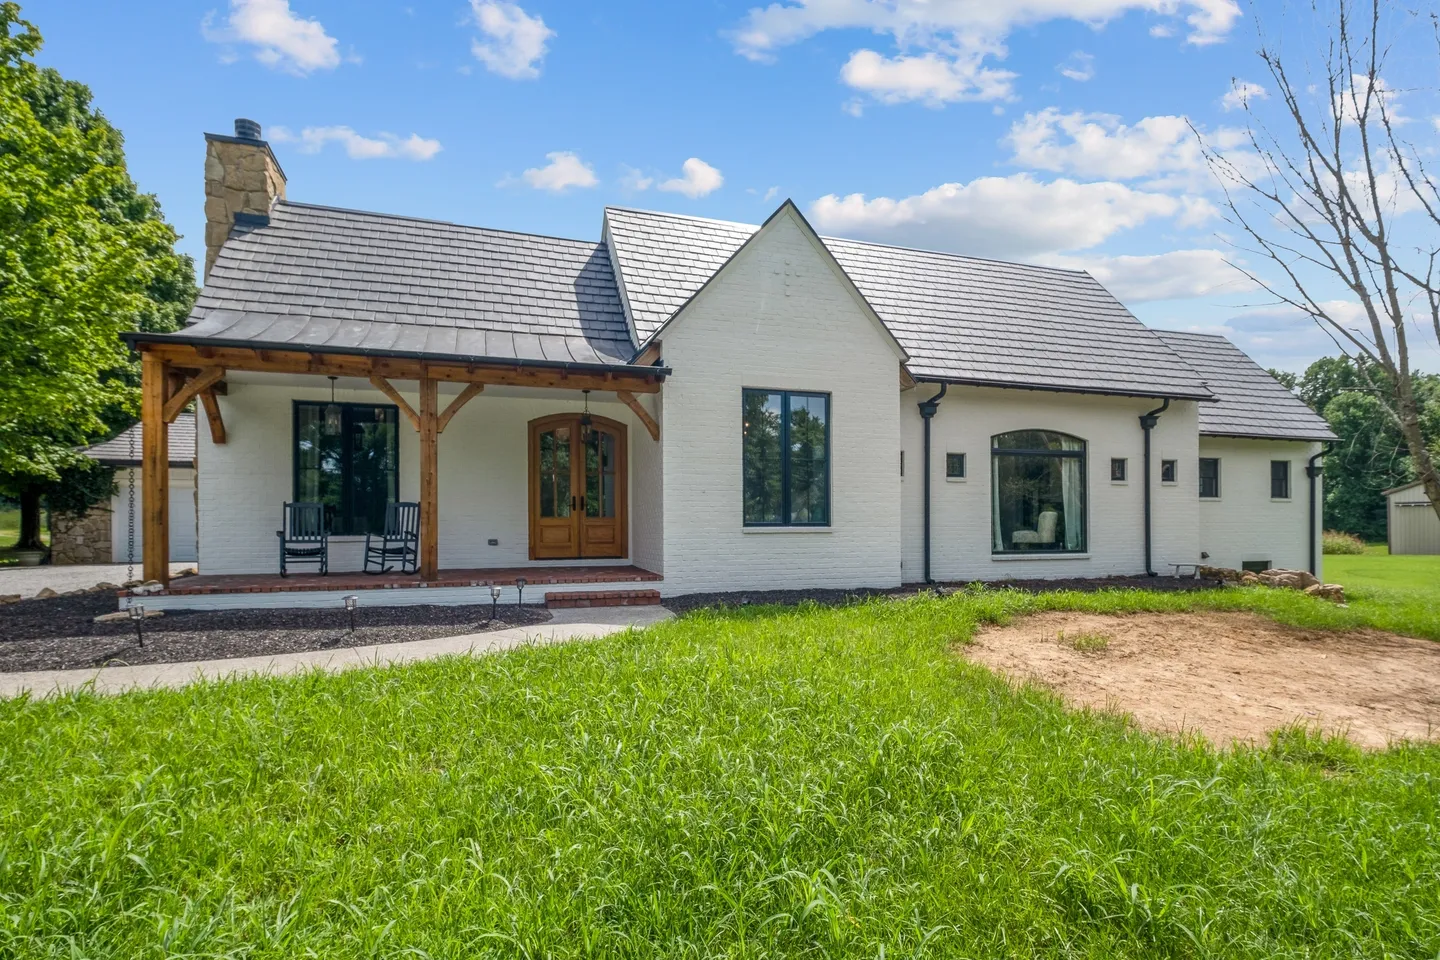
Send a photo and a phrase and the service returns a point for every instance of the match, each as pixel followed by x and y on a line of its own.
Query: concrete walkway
pixel 28 581
pixel 564 625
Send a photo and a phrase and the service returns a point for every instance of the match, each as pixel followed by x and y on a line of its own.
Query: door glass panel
pixel 600 475
pixel 555 473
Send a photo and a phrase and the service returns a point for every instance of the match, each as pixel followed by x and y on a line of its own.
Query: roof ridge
pixel 752 227
pixel 445 223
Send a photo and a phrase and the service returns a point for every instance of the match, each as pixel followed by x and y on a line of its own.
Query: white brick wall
pixel 961 510
pixel 779 317
pixel 483 473
pixel 1244 523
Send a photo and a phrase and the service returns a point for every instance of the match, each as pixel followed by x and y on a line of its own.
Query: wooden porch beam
pixel 155 467
pixel 212 413
pixel 429 481
pixel 181 398
pixel 649 355
pixel 394 368
pixel 633 402
pixel 385 387
pixel 454 406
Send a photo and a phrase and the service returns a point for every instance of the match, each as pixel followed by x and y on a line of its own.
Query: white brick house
pixel 715 405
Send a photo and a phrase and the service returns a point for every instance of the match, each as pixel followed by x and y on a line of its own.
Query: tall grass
pixel 756 783
pixel 1339 542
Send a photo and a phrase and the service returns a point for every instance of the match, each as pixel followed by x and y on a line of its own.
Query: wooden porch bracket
pixel 429 480
pixel 466 395
pixel 180 398
pixel 155 466
pixel 212 413
pixel 385 387
pixel 633 402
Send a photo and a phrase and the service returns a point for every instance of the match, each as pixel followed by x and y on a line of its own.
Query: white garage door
pixel 182 516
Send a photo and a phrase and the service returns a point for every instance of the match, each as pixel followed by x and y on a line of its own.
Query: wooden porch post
pixel 155 467
pixel 429 480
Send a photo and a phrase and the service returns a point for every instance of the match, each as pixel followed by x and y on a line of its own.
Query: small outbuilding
pixel 102 535
pixel 1411 523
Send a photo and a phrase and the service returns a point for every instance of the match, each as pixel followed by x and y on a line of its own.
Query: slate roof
pixel 1252 403
pixel 960 319
pixel 116 451
pixel 324 278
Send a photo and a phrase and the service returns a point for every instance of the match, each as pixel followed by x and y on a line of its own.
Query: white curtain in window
pixel 997 534
pixel 1072 491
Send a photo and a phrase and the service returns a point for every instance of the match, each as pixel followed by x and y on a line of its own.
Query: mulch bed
pixel 61 634
pixel 831 598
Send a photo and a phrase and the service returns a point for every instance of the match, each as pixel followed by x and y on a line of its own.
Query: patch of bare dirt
pixel 1228 676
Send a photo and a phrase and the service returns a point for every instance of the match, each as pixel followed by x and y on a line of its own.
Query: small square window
pixel 955 466
pixel 1279 479
pixel 1119 467
pixel 1167 471
pixel 1210 478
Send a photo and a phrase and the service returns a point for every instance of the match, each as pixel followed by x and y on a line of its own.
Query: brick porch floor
pixel 481 577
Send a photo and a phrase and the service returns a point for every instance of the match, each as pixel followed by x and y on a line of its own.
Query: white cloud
pixel 565 170
pixel 930 78
pixel 1099 145
pixel 1175 275
pixel 282 39
pixel 1241 93
pixel 1015 216
pixel 1162 30
pixel 698 179
pixel 514 43
pixel 950 25
pixel 1079 66
pixel 387 146
pixel 633 181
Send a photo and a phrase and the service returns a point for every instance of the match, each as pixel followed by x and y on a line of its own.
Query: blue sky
pixel 1011 129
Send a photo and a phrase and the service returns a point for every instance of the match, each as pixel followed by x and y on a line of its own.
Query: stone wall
pixel 75 540
pixel 240 177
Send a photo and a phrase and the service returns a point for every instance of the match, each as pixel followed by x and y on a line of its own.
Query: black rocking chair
pixel 304 537
pixel 399 543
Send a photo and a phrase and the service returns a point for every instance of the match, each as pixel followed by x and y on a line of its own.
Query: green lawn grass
pixel 759 783
pixel 1376 569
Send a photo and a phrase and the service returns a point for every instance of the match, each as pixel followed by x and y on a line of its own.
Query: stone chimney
pixel 242 181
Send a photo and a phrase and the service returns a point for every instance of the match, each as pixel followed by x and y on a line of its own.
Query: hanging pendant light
pixel 585 421
pixel 332 411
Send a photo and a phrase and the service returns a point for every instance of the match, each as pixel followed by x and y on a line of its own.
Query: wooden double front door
pixel 578 488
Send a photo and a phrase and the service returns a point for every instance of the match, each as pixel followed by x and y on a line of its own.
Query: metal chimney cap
pixel 246 129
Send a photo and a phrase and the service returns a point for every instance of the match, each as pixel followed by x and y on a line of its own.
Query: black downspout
pixel 1147 424
pixel 1313 472
pixel 927 413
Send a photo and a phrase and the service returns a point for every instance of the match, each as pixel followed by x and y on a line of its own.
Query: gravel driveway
pixel 28 581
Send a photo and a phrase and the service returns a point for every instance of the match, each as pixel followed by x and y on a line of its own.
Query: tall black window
pixel 1167 471
pixel 1209 477
pixel 347 457
pixel 1280 479
pixel 1037 491
pixel 786 451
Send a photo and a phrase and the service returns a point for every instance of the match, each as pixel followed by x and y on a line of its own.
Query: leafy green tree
pixel 1371 454
pixel 84 257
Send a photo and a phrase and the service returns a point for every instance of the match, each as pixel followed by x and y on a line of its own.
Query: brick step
pixel 559 600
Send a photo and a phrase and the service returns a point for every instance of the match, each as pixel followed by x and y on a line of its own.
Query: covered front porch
pixel 547 471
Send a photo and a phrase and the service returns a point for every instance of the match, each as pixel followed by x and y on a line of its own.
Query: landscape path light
pixel 351 602
pixel 494 599
pixel 137 617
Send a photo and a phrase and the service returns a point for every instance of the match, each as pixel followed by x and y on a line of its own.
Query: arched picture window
pixel 1037 492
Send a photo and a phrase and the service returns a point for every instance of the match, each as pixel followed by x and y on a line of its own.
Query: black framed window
pixel 786 458
pixel 1209 477
pixel 1037 492
pixel 1280 479
pixel 347 457
pixel 1119 468
pixel 1167 471
pixel 955 466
